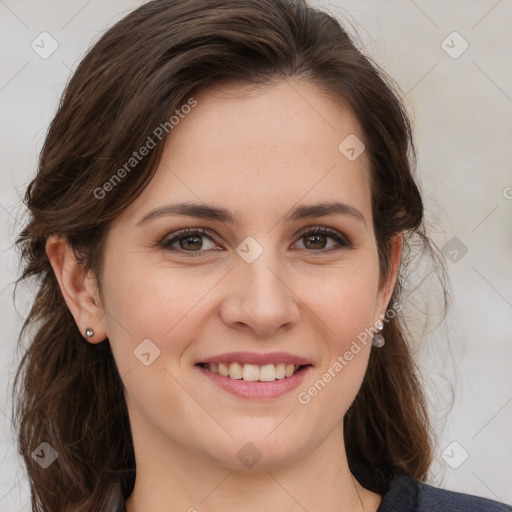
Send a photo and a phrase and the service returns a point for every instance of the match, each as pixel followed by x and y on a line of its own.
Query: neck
pixel 172 478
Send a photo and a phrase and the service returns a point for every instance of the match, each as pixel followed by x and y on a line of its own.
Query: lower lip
pixel 257 389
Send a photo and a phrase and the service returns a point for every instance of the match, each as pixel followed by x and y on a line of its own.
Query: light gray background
pixel 461 109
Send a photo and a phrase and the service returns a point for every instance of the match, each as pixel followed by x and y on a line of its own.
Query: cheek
pixel 159 305
pixel 146 303
pixel 345 301
pixel 346 307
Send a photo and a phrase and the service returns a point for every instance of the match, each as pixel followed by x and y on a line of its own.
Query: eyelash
pixel 167 242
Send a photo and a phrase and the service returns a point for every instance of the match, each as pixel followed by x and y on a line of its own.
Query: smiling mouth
pixel 254 372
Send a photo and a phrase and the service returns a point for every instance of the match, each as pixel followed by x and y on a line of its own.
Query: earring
pixel 378 340
pixel 89 333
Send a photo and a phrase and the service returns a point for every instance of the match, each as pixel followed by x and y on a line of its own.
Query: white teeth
pixel 289 369
pixel 224 369
pixel 253 372
pixel 280 371
pixel 268 373
pixel 235 370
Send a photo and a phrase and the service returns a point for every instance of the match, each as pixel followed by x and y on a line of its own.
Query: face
pixel 244 284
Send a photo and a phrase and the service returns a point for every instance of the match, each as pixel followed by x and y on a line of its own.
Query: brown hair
pixel 68 392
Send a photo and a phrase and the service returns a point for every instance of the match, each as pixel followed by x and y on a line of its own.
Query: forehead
pixel 255 147
pixel 285 114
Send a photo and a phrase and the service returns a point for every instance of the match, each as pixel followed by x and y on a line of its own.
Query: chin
pixel 258 449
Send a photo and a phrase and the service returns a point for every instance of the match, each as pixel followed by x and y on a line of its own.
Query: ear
pixel 388 284
pixel 80 290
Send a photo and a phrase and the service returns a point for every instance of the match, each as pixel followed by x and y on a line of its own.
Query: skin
pixel 258 153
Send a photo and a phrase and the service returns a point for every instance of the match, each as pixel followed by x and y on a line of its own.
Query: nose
pixel 260 298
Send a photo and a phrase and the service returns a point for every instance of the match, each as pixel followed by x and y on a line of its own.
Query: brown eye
pixel 188 241
pixel 318 240
pixel 193 243
pixel 315 241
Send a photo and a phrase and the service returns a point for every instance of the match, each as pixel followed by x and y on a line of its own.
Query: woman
pixel 218 225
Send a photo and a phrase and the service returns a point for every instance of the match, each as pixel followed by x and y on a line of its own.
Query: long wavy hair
pixel 68 392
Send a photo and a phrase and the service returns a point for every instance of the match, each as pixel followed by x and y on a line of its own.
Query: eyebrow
pixel 203 211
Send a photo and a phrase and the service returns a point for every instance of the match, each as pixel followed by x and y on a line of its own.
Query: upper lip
pixel 256 358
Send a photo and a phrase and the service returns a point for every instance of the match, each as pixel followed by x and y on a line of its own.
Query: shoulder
pixel 406 494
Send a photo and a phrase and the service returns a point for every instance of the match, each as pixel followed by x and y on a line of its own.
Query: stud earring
pixel 378 340
pixel 89 333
